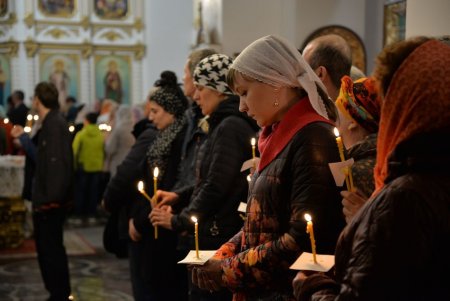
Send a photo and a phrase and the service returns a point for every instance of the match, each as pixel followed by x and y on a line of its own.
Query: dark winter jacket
pixel 397 246
pixel 193 139
pixel 297 181
pixel 364 154
pixel 53 178
pixel 220 185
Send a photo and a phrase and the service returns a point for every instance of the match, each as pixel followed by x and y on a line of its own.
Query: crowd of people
pixel 387 227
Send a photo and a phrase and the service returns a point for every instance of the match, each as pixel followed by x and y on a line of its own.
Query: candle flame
pixel 6 120
pixel 29 117
pixel 71 128
pixel 253 141
pixel 140 186
pixel 308 217
pixel 194 219
pixel 155 172
pixel 27 129
pixel 249 179
pixel 336 132
pixel 36 117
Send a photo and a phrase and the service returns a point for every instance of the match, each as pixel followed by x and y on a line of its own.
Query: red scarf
pixel 274 138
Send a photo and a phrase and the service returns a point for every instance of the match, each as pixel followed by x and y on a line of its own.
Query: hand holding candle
pixel 348 173
pixel 253 143
pixel 194 219
pixel 310 230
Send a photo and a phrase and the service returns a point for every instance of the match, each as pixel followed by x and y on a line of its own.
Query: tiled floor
pixel 94 277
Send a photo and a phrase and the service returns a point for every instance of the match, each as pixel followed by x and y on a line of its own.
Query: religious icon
pixel 112 78
pixel 3 8
pixel 5 82
pixel 57 8
pixel 111 9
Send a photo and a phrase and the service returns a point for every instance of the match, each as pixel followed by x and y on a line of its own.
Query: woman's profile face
pixel 207 99
pixel 160 117
pixel 257 99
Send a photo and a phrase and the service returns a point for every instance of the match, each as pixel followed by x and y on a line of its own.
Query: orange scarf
pixel 417 102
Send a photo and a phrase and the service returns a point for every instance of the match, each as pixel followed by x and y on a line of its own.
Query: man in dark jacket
pixel 19 112
pixel 52 189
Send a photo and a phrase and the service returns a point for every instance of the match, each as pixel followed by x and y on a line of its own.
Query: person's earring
pixel 276 103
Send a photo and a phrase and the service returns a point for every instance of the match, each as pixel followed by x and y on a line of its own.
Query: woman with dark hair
pixel 397 245
pixel 155 274
pixel 220 185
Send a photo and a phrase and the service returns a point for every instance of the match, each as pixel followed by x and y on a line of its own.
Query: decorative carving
pixel 86 50
pixel 138 24
pixel 57 33
pixel 31 47
pixel 10 48
pixel 29 20
pixel 111 35
pixel 11 20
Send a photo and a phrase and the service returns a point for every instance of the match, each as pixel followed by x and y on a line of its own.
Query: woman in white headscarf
pixel 281 92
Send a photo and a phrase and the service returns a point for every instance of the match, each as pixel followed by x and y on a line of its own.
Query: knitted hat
pixel 211 72
pixel 360 101
pixel 171 100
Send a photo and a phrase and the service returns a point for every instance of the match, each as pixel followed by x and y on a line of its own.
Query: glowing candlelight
pixel 194 219
pixel 348 171
pixel 155 179
pixel 6 120
pixel 249 178
pixel 36 117
pixel 253 143
pixel 142 190
pixel 71 128
pixel 29 123
pixel 310 230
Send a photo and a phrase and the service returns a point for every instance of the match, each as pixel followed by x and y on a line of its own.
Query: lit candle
pixel 36 117
pixel 155 188
pixel 71 128
pixel 249 178
pixel 6 120
pixel 29 123
pixel 253 143
pixel 194 219
pixel 310 230
pixel 155 179
pixel 348 171
pixel 141 190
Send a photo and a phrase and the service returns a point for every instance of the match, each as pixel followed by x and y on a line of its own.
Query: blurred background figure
pixel 120 140
pixel 88 151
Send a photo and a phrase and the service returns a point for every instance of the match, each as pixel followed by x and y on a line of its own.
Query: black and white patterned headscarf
pixel 172 100
pixel 211 72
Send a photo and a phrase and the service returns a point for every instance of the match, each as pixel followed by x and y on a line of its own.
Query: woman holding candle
pixel 280 91
pixel 154 258
pixel 220 185
pixel 397 246
pixel 358 106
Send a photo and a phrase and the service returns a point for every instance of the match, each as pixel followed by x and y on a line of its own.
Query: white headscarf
pixel 275 61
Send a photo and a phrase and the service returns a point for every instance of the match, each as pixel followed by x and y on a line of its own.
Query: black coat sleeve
pixel 229 147
pixel 122 188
